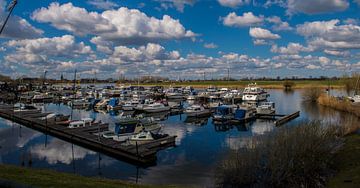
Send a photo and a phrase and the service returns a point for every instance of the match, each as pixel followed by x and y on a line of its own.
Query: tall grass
pixel 311 94
pixel 350 82
pixel 337 104
pixel 298 156
pixel 288 85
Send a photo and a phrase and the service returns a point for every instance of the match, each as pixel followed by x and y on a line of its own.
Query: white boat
pixel 42 97
pixel 80 123
pixel 355 98
pixel 211 89
pixel 146 103
pixel 156 107
pixel 174 93
pixel 190 98
pixel 26 108
pixel 266 108
pixel 79 103
pixel 141 138
pixel 196 111
pixel 129 105
pixel 254 93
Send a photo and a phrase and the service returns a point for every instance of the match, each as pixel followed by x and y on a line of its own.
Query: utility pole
pixel 204 76
pixel 10 8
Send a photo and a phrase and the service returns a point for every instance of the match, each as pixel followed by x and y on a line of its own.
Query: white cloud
pixel 122 26
pixel 247 19
pixel 316 6
pixel 279 25
pixel 259 33
pixel 144 53
pixel 178 4
pixel 233 3
pixel 330 35
pixel 103 4
pixel 292 48
pixel 210 45
pixel 41 49
pixel 17 27
pixel 337 53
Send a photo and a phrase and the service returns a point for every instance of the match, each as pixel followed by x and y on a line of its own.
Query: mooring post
pixel 137 149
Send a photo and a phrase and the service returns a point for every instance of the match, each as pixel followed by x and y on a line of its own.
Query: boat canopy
pixel 223 110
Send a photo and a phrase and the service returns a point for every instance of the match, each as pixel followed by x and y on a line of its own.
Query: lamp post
pixel 10 9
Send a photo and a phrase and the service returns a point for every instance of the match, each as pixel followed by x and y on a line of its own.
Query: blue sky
pixel 181 38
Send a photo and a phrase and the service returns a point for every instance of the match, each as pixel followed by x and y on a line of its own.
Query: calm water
pixel 200 145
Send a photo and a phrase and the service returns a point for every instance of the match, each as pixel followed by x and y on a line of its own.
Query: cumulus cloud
pixel 259 33
pixel 279 25
pixel 210 45
pixel 17 27
pixel 310 6
pixel 292 48
pixel 316 6
pixel 103 4
pixel 247 19
pixel 337 53
pixel 330 35
pixel 40 49
pixel 122 26
pixel 233 3
pixel 179 5
pixel 144 53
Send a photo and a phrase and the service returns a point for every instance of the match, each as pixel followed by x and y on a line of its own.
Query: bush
pixel 311 94
pixel 288 84
pixel 298 156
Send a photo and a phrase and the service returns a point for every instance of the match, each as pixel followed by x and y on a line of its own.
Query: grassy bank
pixel 49 178
pixel 348 164
pixel 296 156
pixel 341 105
pixel 298 84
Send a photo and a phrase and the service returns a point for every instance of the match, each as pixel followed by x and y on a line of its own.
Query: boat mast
pixel 10 9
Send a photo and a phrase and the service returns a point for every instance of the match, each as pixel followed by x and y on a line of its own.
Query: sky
pixel 181 39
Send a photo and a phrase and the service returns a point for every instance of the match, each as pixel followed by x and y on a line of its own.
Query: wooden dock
pixel 141 155
pixel 287 118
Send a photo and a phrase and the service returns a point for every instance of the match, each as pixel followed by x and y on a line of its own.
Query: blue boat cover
pixel 113 102
pixel 223 110
pixel 240 114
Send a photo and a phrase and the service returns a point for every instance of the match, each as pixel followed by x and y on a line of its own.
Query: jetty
pixel 280 119
pixel 87 137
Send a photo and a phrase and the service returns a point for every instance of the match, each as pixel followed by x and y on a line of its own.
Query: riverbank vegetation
pixel 12 176
pixel 296 156
pixel 339 104
pixel 311 94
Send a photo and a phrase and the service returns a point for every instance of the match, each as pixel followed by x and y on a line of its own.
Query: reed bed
pixel 311 94
pixel 341 105
pixel 297 156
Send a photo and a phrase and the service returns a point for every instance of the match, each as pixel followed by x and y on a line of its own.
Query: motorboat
pixel 196 111
pixel 223 113
pixel 211 89
pixel 41 97
pixel 355 98
pixel 254 93
pixel 81 123
pixel 79 103
pixel 26 108
pixel 113 104
pixel 141 138
pixel 129 105
pixel 146 103
pixel 55 117
pixel 266 108
pixel 156 107
pixel 191 97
